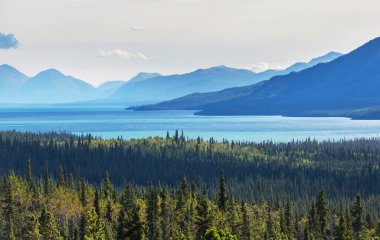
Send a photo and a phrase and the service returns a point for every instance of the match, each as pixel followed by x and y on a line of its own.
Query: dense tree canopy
pixel 62 186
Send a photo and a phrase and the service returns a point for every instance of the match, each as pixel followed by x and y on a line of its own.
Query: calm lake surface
pixel 111 122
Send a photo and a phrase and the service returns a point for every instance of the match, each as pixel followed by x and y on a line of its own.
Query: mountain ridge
pixel 337 88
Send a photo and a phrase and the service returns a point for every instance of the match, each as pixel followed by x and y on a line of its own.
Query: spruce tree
pixel 322 212
pixel 203 219
pixel 288 219
pixel 357 215
pixel 152 219
pixel 9 209
pixel 245 228
pixel 61 176
pixel 49 228
pixel 95 228
pixel 97 203
pixel 342 232
pixel 47 180
pixel 136 227
pixel 108 188
pixel 222 193
pixel 29 175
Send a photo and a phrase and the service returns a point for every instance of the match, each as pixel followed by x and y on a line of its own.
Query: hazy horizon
pixel 114 40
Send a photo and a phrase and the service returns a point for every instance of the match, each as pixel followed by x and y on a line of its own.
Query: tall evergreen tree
pixel 203 219
pixel 47 180
pixel 9 209
pixel 342 232
pixel 357 214
pixel 288 219
pixel 322 212
pixel 97 203
pixel 153 212
pixel 29 175
pixel 49 227
pixel 222 193
pixel 95 228
pixel 245 228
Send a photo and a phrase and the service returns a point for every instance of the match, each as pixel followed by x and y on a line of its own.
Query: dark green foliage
pixel 342 232
pixel 214 234
pixel 245 228
pixel 153 215
pixel 322 212
pixel 222 193
pixel 357 214
pixel 255 170
pixel 258 178
pixel 49 228
pixel 203 219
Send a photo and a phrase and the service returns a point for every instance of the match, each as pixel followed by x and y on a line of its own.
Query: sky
pixel 101 40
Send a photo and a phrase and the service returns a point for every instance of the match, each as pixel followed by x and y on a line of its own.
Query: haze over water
pixel 112 122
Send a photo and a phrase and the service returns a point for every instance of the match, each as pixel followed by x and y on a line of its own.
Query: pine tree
pixel 135 230
pixel 203 219
pixel 121 221
pixel 233 216
pixel 245 228
pixel 29 176
pixel 9 209
pixel 82 226
pixel 288 219
pixel 32 229
pixel 152 219
pixel 322 212
pixel 47 180
pixel 357 215
pixel 95 228
pixel 222 193
pixel 312 223
pixel 97 202
pixel 109 212
pixel 49 228
pixel 341 230
pixel 165 216
pixel 107 186
pixel 61 176
pixel 83 197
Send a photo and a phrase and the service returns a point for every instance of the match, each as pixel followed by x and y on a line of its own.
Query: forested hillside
pixel 58 186
pixel 71 208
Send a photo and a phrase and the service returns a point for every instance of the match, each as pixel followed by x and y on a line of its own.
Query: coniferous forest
pixel 64 186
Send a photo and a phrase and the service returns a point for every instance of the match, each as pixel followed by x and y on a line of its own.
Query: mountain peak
pixel 6 66
pixel 143 76
pixel 325 58
pixel 52 72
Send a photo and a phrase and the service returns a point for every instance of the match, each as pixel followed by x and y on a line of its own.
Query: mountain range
pixel 52 86
pixel 162 88
pixel 347 86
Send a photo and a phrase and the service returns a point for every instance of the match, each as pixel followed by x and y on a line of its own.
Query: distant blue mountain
pixel 202 80
pixel 108 88
pixel 51 86
pixel 11 77
pixel 143 76
pixel 346 86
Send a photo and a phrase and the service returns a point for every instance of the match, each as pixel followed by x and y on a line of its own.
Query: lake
pixel 111 122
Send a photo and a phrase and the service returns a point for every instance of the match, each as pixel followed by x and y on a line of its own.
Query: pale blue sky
pixel 99 40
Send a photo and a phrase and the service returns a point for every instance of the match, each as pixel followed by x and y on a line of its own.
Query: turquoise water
pixel 111 122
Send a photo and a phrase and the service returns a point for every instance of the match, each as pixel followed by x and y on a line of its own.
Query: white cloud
pixel 8 41
pixel 138 28
pixel 263 66
pixel 121 54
